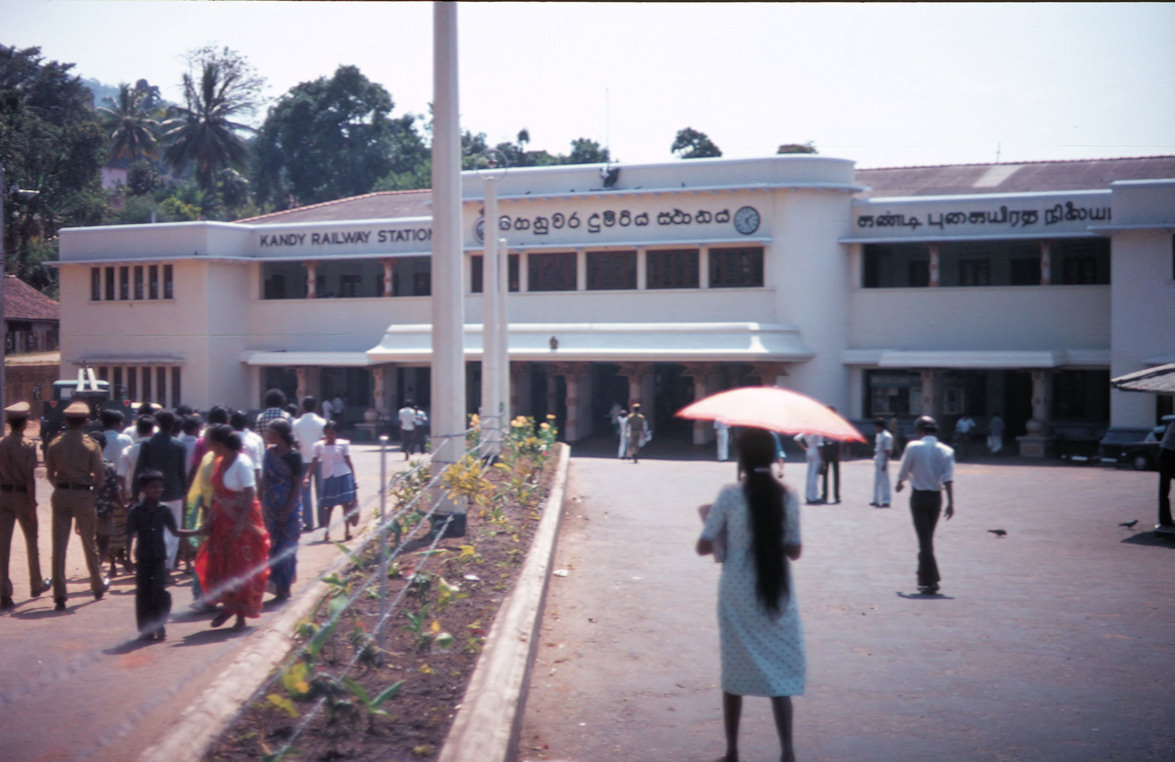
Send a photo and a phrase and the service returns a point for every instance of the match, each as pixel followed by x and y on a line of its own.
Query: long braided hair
pixel 765 496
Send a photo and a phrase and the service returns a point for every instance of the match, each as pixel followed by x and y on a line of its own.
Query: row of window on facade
pixel 144 383
pixel 25 336
pixel 131 282
pixel 1072 262
pixel 733 267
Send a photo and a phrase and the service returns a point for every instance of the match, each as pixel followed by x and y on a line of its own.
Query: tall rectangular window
pixel 147 385
pixel 476 274
pixel 1081 262
pixel 132 384
pixel 167 290
pixel 974 272
pixel 736 268
pixel 124 283
pixel 153 282
pixel 139 293
pixel 611 270
pixel 110 292
pixel 671 268
pixel 95 284
pixel 896 265
pixel 177 390
pixel 551 271
pixel 116 379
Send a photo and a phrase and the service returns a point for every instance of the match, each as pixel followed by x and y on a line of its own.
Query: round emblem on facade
pixel 479 230
pixel 746 220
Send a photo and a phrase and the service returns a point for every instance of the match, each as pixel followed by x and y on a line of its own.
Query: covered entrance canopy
pixel 1160 380
pixel 613 342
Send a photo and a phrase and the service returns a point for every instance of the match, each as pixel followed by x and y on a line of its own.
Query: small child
pixel 144 527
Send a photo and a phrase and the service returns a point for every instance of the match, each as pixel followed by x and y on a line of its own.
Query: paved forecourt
pixel 79 685
pixel 1053 642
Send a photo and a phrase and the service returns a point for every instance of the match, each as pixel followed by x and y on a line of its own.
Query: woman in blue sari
pixel 281 476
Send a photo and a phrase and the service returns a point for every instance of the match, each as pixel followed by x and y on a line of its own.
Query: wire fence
pixel 388 523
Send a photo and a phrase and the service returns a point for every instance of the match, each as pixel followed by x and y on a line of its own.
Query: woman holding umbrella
pixel 761 639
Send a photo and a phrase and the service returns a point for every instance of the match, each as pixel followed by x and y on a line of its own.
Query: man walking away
pixel 407 415
pixel 930 467
pixel 307 431
pixel 73 464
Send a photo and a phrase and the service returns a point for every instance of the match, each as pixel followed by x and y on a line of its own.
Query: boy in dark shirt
pixel 145 527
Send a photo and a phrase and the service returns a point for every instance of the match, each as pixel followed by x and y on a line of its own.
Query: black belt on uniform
pixel 13 488
pixel 67 485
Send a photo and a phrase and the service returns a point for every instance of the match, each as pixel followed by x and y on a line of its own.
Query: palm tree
pixel 204 132
pixel 131 127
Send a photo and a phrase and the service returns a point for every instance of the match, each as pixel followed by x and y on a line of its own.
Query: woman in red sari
pixel 233 564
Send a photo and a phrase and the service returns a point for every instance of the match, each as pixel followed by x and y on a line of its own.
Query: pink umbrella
pixel 769 407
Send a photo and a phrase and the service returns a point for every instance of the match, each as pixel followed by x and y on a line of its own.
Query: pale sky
pixel 883 84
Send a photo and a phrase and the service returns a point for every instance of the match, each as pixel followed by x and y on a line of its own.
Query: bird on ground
pixel 998 532
pixel 1128 524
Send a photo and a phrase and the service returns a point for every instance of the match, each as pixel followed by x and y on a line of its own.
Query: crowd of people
pixel 240 492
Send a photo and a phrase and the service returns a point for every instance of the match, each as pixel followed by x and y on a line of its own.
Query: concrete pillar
pixel 1036 441
pixel 448 306
pixel 1046 263
pixel 934 266
pixel 701 374
pixel 642 275
pixel 302 374
pixel 389 281
pixel 930 392
pixel 311 279
pixel 633 372
pixel 503 326
pixel 704 265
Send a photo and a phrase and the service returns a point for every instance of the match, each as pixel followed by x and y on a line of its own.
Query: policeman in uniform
pixel 74 466
pixel 18 501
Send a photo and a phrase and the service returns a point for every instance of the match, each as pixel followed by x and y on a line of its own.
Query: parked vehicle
pixel 1137 448
pixel 98 395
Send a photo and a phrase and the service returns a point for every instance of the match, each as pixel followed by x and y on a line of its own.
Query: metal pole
pixel 503 322
pixel 490 353
pixel 3 275
pixel 383 535
pixel 448 306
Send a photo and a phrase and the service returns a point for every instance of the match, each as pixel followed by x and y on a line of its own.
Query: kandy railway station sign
pixel 1003 216
pixel 580 225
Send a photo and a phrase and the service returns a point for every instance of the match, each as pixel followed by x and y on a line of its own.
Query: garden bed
pixel 340 696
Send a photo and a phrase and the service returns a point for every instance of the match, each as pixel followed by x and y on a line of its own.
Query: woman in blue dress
pixel 756 524
pixel 281 477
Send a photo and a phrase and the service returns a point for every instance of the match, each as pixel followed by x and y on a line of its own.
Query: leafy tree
pixel 142 178
pixel 332 138
pixel 797 148
pixel 50 143
pixel 586 151
pixel 131 124
pixel 694 144
pixel 220 87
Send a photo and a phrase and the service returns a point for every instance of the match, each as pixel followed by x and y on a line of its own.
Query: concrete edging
pixel 489 720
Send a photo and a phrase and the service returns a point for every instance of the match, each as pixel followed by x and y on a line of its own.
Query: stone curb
pixel 202 722
pixel 489 720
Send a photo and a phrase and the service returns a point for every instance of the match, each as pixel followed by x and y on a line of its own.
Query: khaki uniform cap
pixel 17 411
pixel 77 409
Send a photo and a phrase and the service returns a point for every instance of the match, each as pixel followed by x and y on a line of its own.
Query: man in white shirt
pixel 307 431
pixel 882 452
pixel 407 416
pixel 251 444
pixel 811 444
pixel 930 467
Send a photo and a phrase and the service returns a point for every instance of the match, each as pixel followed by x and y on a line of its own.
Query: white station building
pixel 1012 288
